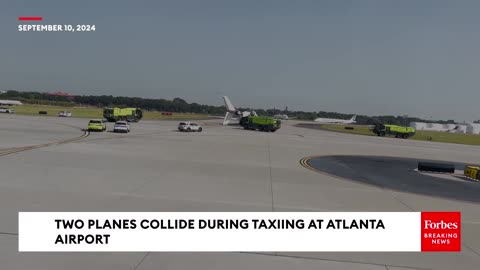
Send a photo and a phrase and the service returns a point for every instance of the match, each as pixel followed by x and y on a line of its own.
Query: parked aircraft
pixel 281 116
pixel 10 102
pixel 336 121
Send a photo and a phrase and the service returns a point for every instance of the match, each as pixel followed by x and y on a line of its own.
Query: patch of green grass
pixel 82 112
pixel 93 112
pixel 470 139
pixel 434 136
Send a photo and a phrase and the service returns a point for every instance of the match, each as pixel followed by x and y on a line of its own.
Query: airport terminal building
pixel 471 128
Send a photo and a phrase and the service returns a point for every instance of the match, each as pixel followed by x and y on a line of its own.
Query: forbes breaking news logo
pixel 441 231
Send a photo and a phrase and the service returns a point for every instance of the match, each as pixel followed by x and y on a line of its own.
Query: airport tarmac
pixel 156 168
pixel 400 174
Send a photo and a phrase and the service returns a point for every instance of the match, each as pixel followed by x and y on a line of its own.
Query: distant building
pixel 471 128
pixel 461 129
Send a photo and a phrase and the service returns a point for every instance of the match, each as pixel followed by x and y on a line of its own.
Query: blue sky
pixel 368 57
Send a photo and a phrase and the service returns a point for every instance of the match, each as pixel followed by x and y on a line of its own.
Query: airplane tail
pixel 233 113
pixel 353 118
pixel 229 104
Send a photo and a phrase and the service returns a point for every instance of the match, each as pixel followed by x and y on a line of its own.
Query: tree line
pixel 179 105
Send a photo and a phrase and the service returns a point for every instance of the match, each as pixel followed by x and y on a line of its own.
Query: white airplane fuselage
pixel 336 121
pixel 333 121
pixel 10 102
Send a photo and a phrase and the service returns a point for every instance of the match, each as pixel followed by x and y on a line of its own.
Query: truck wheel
pixel 200 130
pixel 189 129
pixel 405 136
pixel 381 134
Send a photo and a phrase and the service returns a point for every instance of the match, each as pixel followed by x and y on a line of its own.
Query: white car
pixel 189 126
pixel 6 110
pixel 64 114
pixel 121 126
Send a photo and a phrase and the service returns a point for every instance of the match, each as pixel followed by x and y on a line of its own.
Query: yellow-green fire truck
pixel 393 130
pixel 122 114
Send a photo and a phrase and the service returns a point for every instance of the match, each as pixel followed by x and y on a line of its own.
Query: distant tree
pixel 179 100
pixel 180 105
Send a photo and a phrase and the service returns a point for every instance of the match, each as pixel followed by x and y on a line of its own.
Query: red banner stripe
pixel 30 18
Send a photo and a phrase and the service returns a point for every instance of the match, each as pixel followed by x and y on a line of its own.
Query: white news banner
pixel 219 231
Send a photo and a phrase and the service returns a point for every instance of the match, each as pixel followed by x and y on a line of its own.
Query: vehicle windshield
pixel 95 122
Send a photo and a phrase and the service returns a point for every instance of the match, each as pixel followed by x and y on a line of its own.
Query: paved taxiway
pixel 399 174
pixel 155 168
